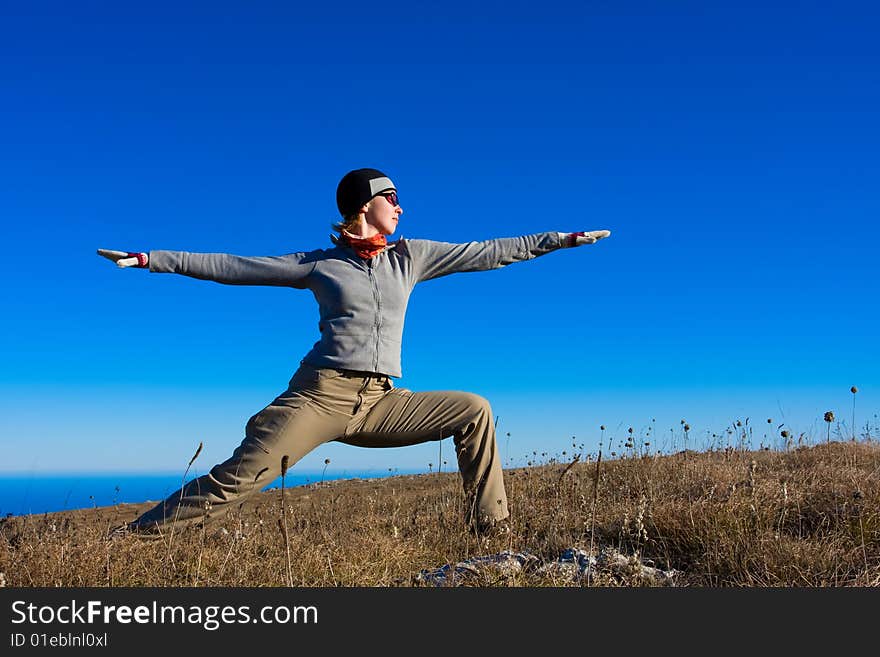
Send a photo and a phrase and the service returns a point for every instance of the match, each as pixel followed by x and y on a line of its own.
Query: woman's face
pixel 382 214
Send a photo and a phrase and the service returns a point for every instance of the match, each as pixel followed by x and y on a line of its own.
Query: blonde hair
pixel 351 221
pixel 347 224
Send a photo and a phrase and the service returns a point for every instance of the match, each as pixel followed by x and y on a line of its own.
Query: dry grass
pixel 808 516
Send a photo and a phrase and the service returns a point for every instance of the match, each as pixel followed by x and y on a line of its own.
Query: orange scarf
pixel 366 247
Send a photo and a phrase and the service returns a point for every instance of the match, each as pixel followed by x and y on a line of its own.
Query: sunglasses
pixel 391 197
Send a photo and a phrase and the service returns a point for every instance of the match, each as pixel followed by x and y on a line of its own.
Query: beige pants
pixel 359 409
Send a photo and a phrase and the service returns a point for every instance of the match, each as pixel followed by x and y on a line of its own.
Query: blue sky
pixel 730 148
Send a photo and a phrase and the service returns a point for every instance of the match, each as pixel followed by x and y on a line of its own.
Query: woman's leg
pixel 296 422
pixel 401 417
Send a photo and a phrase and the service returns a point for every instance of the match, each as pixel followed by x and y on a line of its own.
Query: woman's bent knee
pixel 476 404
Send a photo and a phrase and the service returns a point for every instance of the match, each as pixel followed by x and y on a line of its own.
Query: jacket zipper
pixel 375 287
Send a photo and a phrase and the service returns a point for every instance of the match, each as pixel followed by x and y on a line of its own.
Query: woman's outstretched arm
pixel 288 270
pixel 433 259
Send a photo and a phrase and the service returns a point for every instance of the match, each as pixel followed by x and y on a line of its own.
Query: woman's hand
pixel 126 258
pixel 590 237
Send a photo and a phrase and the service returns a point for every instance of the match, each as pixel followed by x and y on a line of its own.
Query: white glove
pixel 578 239
pixel 126 258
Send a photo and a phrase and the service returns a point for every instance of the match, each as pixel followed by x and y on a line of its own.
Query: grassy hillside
pixel 807 516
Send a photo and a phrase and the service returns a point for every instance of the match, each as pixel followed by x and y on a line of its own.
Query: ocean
pixel 23 494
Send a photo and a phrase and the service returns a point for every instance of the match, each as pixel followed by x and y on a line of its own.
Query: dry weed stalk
pixel 567 469
pixel 169 556
pixel 854 390
pixel 595 504
pixel 282 520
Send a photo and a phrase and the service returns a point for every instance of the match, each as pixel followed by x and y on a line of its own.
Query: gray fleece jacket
pixel 362 303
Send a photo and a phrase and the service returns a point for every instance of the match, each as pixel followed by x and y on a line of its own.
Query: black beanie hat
pixel 359 186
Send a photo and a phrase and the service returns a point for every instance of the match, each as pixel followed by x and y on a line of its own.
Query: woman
pixel 343 389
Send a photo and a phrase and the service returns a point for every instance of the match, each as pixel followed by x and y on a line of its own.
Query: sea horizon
pixel 29 493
